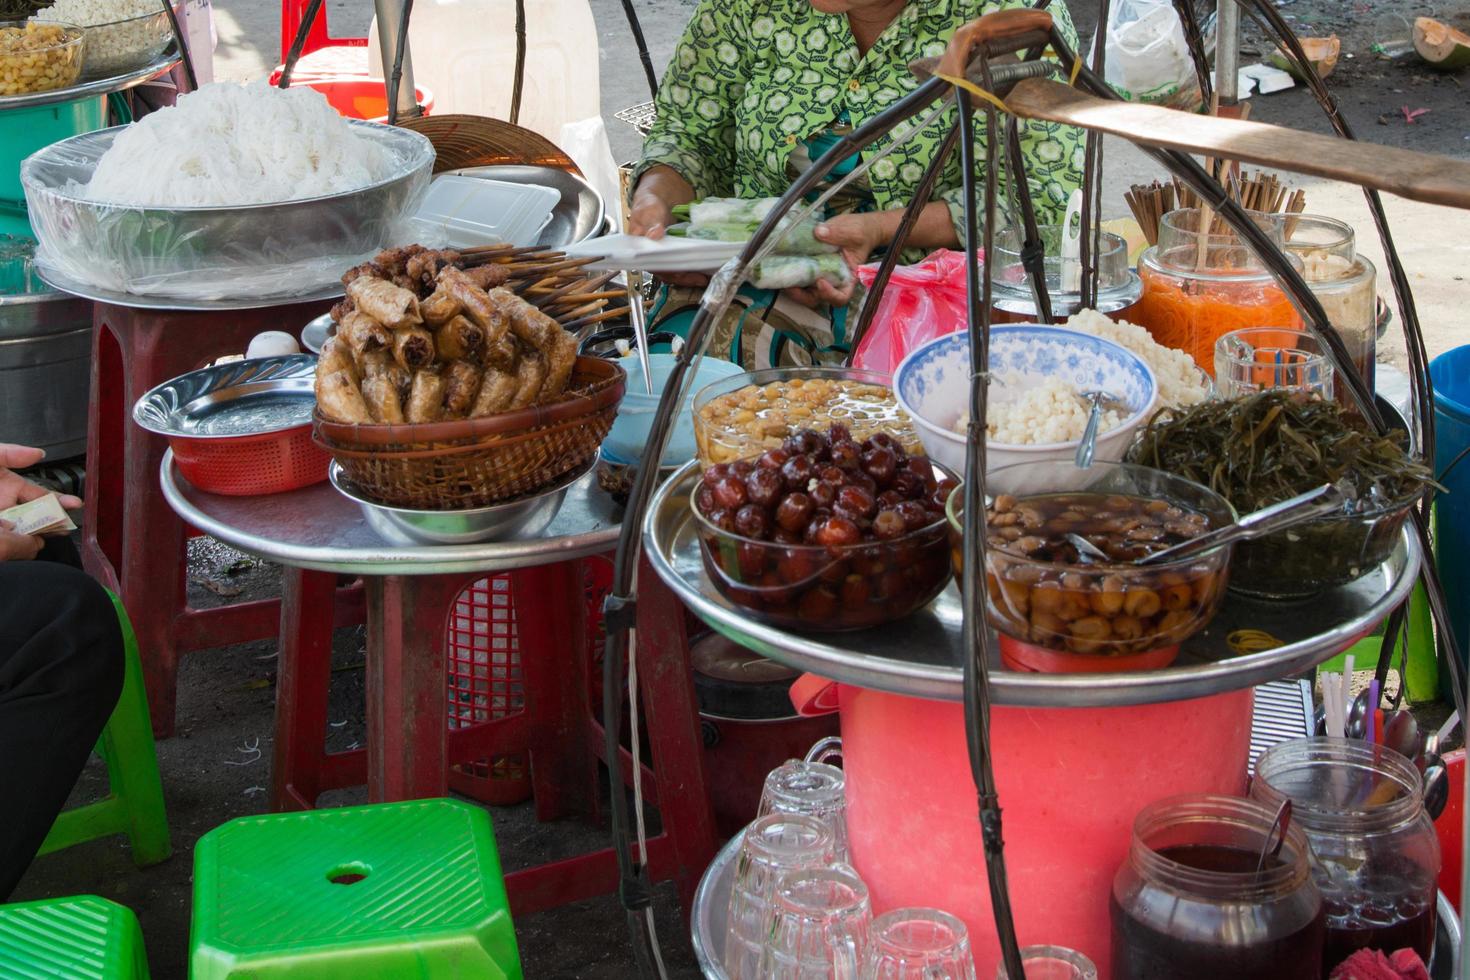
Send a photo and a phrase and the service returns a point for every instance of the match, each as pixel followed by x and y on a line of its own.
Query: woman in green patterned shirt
pixel 757 89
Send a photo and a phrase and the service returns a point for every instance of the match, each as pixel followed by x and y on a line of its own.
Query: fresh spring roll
pixel 336 356
pixel 363 334
pixel 794 271
pixel 413 347
pixel 461 384
pixel 530 376
pixel 459 339
pixel 426 397
pixel 340 399
pixel 496 392
pixel 439 308
pixel 717 210
pixel 791 239
pixel 383 401
pixel 392 306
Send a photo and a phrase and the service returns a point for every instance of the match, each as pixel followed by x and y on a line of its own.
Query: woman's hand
pixel 856 236
pixel 652 213
pixel 18 547
pixel 14 489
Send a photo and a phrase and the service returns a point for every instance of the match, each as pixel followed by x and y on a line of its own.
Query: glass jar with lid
pixel 1196 898
pixel 1374 852
pixel 1118 286
pixel 1344 283
pixel 1199 287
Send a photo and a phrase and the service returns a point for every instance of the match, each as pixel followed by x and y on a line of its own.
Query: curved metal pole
pixel 619 609
pixel 1033 252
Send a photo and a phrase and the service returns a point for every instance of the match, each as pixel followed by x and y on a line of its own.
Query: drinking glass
pixel 919 944
pixel 1052 963
pixel 820 924
pixel 814 789
pixel 774 845
pixel 1257 358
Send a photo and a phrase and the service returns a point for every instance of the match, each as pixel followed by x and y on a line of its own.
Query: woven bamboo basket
pixel 468 463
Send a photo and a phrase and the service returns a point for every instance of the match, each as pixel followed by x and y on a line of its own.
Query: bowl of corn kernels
pixel 743 416
pixel 38 57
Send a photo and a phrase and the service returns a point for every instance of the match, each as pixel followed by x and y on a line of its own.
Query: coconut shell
pixel 1440 45
pixel 1322 52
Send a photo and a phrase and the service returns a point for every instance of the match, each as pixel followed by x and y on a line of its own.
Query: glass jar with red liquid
pixel 1196 899
pixel 1374 852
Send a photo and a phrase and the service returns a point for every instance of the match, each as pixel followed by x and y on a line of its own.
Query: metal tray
pixel 708 922
pixel 921 654
pixel 577 216
pixel 97 294
pixel 238 398
pixel 96 86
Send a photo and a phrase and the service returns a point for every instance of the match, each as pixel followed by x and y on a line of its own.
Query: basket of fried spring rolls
pixel 465 398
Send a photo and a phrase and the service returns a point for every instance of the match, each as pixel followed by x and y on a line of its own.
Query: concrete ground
pixel 216 767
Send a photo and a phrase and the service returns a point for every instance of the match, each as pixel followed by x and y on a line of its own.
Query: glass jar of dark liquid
pixel 1374 852
pixel 1190 902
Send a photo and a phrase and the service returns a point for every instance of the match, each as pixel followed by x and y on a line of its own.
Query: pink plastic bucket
pixel 1071 780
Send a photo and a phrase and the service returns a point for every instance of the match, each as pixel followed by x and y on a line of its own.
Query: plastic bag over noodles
pixel 921 302
pixel 201 254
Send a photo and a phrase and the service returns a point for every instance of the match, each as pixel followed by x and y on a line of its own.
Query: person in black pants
pixel 61 670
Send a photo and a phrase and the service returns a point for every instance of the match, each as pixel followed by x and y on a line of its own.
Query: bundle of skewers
pixel 1253 191
pixel 545 278
pixel 422 337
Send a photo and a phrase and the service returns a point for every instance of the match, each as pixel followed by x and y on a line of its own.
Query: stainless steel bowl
pixel 522 518
pixel 280 250
pixel 234 399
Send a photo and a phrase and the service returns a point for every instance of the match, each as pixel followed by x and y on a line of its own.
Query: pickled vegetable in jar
pixel 1344 283
pixel 1198 288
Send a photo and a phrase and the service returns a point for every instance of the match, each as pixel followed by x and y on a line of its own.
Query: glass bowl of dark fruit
pixel 826 533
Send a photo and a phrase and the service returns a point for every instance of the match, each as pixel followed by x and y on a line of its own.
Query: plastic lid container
pixel 473 211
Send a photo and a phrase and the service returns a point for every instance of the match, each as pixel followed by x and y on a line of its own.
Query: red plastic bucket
pixel 1070 780
pixel 360 97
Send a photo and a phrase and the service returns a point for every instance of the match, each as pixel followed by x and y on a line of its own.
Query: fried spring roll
pixel 381 362
pixel 496 392
pixel 393 306
pixel 336 356
pixel 413 347
pixel 439 308
pixel 502 355
pixel 426 397
pixel 560 360
pixel 488 276
pixel 363 334
pixel 459 339
pixel 339 398
pixel 461 385
pixel 383 401
pixel 531 327
pixel 476 305
pixel 530 376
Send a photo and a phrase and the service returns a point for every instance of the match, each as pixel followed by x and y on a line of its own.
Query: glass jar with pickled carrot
pixel 1199 287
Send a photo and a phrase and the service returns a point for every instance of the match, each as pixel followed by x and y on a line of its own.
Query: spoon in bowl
pixel 1326 499
pixel 1088 446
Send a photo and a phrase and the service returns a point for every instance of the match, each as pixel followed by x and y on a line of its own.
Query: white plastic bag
pixel 586 143
pixel 1147 57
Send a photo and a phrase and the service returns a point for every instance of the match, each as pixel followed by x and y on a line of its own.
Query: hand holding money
pixel 15 489
pixel 43 515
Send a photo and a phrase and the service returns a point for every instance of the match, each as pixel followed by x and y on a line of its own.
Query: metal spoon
pixel 1356 725
pixel 1087 552
pixel 1436 787
pixel 639 319
pixel 1401 733
pixel 1283 820
pixel 1326 499
pixel 1088 445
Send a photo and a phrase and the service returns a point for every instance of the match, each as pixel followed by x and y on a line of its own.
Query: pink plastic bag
pixel 921 302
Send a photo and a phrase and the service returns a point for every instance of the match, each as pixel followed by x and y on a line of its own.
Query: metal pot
pixel 45 353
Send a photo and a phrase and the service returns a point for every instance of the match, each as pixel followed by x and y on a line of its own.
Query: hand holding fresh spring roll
pixel 339 398
pixel 461 385
pixel 790 239
pixel 392 306
pixel 413 348
pixel 425 397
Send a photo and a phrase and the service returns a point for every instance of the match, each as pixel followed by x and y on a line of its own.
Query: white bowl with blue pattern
pixel 932 385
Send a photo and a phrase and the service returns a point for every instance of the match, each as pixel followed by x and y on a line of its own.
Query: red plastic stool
pixel 132 541
pixel 292 12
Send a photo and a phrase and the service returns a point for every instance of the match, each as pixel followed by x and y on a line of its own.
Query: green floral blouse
pixel 753 79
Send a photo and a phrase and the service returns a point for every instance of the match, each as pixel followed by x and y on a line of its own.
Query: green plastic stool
pixel 394 890
pixel 81 938
pixel 134 804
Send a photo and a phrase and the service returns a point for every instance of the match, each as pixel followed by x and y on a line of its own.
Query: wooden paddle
pixel 1426 177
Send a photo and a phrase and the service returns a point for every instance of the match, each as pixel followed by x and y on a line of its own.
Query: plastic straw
pixel 1373 711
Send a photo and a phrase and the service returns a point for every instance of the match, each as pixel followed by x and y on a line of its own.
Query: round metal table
pixel 319 529
pixel 920 655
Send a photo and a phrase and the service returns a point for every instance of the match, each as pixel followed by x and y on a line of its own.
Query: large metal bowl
pixel 280 250
pixel 522 518
pixel 580 214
